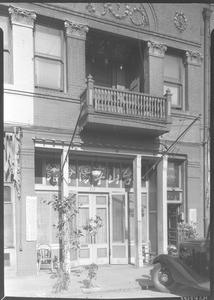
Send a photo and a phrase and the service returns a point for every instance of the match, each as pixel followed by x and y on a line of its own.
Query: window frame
pixel 180 188
pixel 8 49
pixel 50 58
pixel 176 83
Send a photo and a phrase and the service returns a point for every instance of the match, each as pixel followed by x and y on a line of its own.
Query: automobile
pixel 188 264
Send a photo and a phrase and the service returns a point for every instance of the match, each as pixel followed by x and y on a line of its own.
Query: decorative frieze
pixel 156 48
pixel 121 11
pixel 193 57
pixel 180 21
pixel 22 16
pixel 77 30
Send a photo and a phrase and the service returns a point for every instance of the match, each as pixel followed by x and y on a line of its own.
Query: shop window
pixel 8 219
pixel 174 182
pixel 174 79
pixel 49 58
pixel 4 24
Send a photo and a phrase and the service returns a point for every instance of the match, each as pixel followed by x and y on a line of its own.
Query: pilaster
pixel 138 211
pixel 154 55
pixel 75 34
pixel 162 206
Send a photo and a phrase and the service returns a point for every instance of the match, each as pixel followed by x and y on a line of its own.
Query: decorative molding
pixel 121 11
pixel 22 16
pixel 53 173
pixel 74 29
pixel 193 57
pixel 207 14
pixel 180 21
pixel 156 49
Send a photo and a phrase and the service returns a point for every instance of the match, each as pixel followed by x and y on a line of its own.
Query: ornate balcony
pixel 124 111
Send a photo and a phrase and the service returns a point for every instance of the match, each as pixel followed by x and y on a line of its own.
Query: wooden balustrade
pixel 126 103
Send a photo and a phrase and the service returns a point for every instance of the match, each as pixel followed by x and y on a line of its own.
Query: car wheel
pixel 162 278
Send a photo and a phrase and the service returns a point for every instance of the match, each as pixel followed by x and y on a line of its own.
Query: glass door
pixel 93 248
pixel 119 229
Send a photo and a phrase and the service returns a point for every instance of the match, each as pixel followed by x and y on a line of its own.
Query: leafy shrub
pixel 187 230
pixel 92 274
pixel 62 280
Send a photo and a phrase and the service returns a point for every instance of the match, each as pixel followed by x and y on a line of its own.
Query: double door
pixel 109 244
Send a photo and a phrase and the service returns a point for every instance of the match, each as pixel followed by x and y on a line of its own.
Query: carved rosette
pixel 76 30
pixel 193 57
pixel 180 21
pixel 156 49
pixel 23 16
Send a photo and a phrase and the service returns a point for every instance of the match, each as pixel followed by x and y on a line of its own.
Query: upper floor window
pixel 4 24
pixel 174 79
pixel 49 58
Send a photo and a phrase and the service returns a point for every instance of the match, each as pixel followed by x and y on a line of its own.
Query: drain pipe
pixel 206 114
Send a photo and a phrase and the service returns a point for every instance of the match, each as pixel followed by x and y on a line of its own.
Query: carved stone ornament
pixel 156 48
pixel 53 173
pixel 23 16
pixel 121 11
pixel 180 21
pixel 193 57
pixel 75 29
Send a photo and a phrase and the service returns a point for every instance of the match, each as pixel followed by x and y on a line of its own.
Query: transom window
pixel 49 58
pixel 174 79
pixel 4 24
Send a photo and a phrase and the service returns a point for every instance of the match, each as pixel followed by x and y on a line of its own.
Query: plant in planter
pixel 92 275
pixel 187 230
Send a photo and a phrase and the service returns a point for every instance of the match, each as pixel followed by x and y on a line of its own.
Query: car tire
pixel 162 278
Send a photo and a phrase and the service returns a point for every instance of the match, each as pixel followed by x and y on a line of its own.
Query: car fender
pixel 181 273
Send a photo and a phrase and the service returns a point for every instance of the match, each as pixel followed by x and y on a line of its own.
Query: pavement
pixel 113 281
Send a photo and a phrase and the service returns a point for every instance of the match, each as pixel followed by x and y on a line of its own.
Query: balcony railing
pixel 107 101
pixel 126 103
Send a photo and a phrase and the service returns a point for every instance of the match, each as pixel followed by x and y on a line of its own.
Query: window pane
pixel 6 67
pixel 172 67
pixel 173 175
pixel 173 196
pixel 48 42
pixel 48 73
pixel 4 27
pixel 7 194
pixel 118 211
pixel 8 218
pixel 102 231
pixel 175 91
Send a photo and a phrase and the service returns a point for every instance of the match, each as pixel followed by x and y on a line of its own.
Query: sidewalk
pixel 114 281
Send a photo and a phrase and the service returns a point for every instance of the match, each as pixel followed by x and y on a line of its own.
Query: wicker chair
pixel 44 256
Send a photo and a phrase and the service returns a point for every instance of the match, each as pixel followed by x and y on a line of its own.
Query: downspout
pixel 206 114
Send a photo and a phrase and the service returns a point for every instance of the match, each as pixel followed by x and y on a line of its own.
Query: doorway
pixel 94 248
pixel 110 244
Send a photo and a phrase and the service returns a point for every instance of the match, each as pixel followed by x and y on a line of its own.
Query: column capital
pixel 193 57
pixel 156 49
pixel 22 16
pixel 76 30
pixel 207 13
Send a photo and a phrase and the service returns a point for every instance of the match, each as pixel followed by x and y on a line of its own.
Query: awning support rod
pixel 182 134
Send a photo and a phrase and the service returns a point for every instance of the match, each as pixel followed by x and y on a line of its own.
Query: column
pixel 162 206
pixel 22 21
pixel 137 211
pixel 65 194
pixel 153 68
pixel 75 50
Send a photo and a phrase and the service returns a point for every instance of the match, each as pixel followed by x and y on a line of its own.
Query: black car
pixel 188 266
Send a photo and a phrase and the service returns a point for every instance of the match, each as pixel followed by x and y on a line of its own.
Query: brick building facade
pixel 139 74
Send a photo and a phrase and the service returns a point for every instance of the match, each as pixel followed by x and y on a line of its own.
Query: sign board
pixel 192 215
pixel 31 218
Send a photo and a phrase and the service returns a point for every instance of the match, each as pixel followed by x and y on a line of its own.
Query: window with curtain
pixel 174 182
pixel 4 24
pixel 49 58
pixel 174 79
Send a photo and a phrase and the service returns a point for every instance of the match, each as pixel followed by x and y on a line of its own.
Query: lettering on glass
pixel 72 173
pixel 114 175
pixel 97 179
pixel 84 173
pixel 127 176
pixel 31 218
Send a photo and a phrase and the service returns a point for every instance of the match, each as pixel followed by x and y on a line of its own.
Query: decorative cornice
pixel 22 16
pixel 74 29
pixel 193 57
pixel 207 14
pixel 180 21
pixel 156 49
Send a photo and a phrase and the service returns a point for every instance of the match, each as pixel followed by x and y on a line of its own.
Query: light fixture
pixel 106 61
pixel 96 172
pixel 121 66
